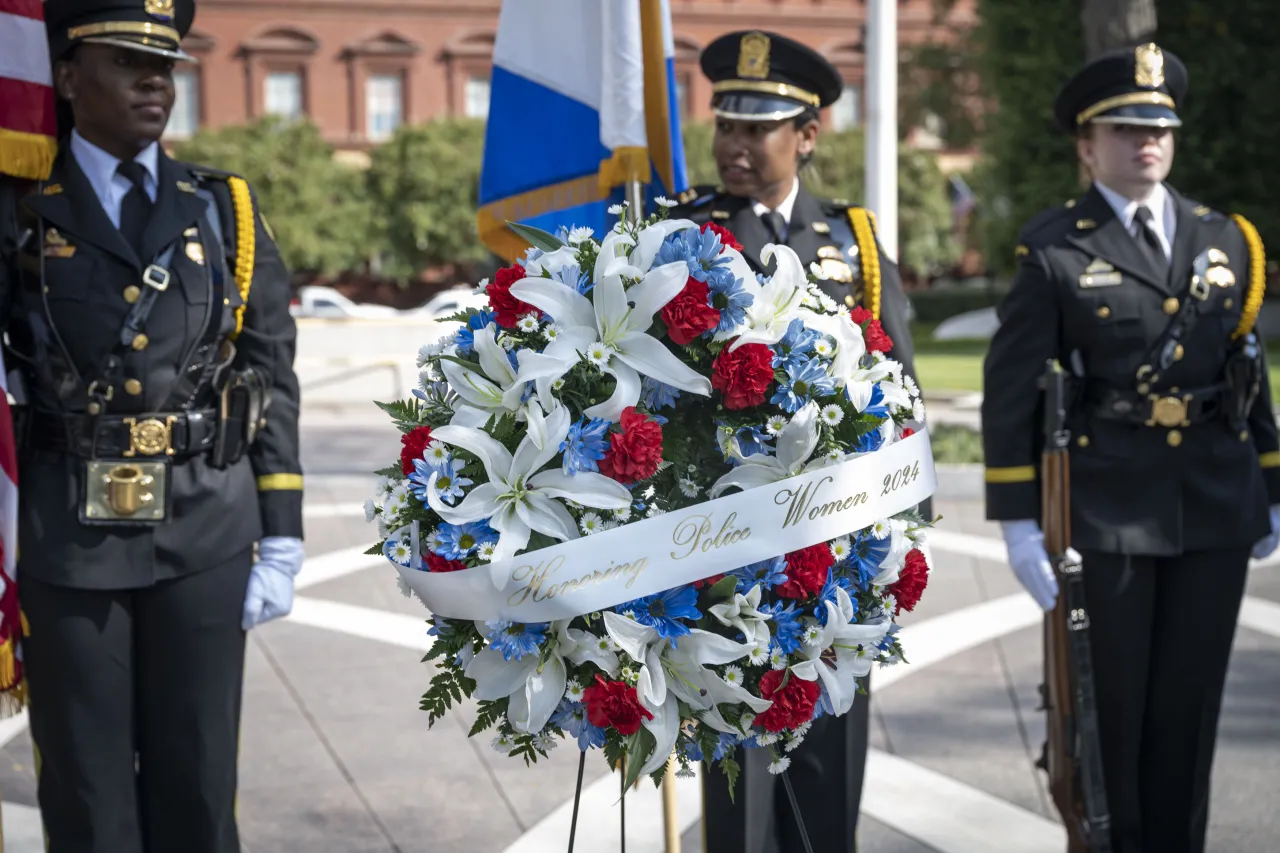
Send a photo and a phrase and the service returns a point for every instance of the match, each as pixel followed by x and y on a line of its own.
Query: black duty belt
pixel 172 435
pixel 1162 409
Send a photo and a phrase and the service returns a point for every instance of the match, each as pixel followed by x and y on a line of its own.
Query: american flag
pixel 28 144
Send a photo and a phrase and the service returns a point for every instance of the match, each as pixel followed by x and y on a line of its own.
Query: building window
pixel 476 98
pixel 383 105
pixel 283 94
pixel 847 111
pixel 185 118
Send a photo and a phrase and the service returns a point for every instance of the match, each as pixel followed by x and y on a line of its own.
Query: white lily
pixel 899 546
pixel 775 303
pixel 518 499
pixel 618 318
pixel 850 344
pixel 836 659
pixel 671 674
pixel 742 612
pixel 535 690
pixel 795 446
pixel 496 388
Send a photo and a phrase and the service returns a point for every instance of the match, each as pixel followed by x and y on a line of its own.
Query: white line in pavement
pixel 23 830
pixel 337 564
pixel 599 818
pixel 352 510
pixel 392 628
pixel 11 727
pixel 950 816
pixel 1261 615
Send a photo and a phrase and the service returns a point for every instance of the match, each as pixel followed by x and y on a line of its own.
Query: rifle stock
pixel 1073 758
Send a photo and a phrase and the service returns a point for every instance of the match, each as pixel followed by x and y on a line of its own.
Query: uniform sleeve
pixel 268 342
pixel 1262 424
pixel 1012 405
pixel 893 315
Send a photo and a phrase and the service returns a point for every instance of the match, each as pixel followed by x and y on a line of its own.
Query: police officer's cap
pixel 1141 85
pixel 762 76
pixel 154 26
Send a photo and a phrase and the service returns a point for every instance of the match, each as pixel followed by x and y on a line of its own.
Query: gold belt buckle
pixel 150 437
pixel 1168 412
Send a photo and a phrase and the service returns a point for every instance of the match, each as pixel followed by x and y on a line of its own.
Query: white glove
pixel 270 591
pixel 1030 562
pixel 1268 543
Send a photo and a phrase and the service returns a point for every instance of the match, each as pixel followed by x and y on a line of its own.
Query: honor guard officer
pixel 1148 300
pixel 147 316
pixel 768 90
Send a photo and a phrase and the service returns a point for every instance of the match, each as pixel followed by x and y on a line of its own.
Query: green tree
pixel 318 208
pixel 424 184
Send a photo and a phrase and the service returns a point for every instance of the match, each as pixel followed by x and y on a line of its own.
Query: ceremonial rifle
pixel 1073 757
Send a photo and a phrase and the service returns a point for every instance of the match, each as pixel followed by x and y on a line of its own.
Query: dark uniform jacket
pixel 1144 478
pixel 234 290
pixel 821 232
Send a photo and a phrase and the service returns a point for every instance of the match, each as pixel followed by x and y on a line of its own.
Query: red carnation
pixel 707 582
pixel 807 572
pixel 412 445
pixel 743 375
pixel 793 700
pixel 614 703
pixel 634 453
pixel 726 236
pixel 690 314
pixel 507 310
pixel 911 581
pixel 907 432
pixel 436 563
pixel 872 332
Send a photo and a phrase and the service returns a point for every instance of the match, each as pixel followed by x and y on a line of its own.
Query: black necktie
pixel 135 209
pixel 776 224
pixel 1149 243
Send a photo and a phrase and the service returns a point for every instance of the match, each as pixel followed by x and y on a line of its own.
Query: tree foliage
pixel 318 208
pixel 926 241
pixel 424 185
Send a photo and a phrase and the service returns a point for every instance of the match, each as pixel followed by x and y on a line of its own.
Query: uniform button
pixel 132 387
pixel 1171 305
pixel 1083 441
pixel 848 300
pixel 1174 438
pixel 1178 352
pixel 140 342
pixel 131 293
pixel 1227 303
pixel 94 409
pixel 1104 312
pixel 1143 387
pixel 1244 435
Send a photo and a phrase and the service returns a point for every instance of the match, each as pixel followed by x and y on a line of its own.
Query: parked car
pixel 325 302
pixel 451 301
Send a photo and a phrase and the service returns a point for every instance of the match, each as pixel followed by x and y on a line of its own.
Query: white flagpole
pixel 882 120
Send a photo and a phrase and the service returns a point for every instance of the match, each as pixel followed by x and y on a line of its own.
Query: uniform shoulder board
pixel 1207 214
pixel 696 196
pixel 1047 226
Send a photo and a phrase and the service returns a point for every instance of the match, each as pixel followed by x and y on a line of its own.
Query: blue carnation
pixel 585 445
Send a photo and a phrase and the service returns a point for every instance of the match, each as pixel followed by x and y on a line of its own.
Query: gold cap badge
pixel 160 9
pixel 753 56
pixel 1148 71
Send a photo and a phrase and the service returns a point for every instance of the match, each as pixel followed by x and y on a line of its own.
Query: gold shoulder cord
pixel 869 256
pixel 242 202
pixel 1257 277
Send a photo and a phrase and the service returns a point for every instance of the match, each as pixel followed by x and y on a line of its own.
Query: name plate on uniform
pixel 125 492
pixel 1102 279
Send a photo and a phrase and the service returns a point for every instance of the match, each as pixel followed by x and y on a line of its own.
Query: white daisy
pixel 828 304
pixel 397 501
pixel 528 323
pixel 824 348
pixel 484 283
pixel 812 635
pixel 649 493
pixel 810 301
pixel 768 738
pixel 402 553
pixel 689 488
pixel 880 529
pixel 599 354
pixel 486 551
pixel 370 510
pixel 777 658
pixel 428 352
pixel 748 720
pixel 623 514
pixel 437 453
pixel 507 342
pixel 759 655
pixel 573 691
pixel 733 675
pixel 551 333
pixel 544 741
pixel 685 772
pixel 616 209
pixel 580 234
pixel 663 201
pixel 628 675
pixel 841 549
pixel 910 384
pixel 833 456
pixel 608 524
pixel 383 530
pixel 655 511
pixel 877 357
pixel 775 425
pixel 504 744
pixel 590 523
pixel 832 415
pixel 802 729
pixel 793 742
pixel 779 765
pixel 917 410
pixel 605 643
pixel 427 375
pixel 691 468
pixel 557 385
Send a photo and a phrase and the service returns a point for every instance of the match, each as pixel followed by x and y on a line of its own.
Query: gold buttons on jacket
pixel 848 301
pixel 132 387
pixel 1178 352
pixel 1171 305
pixel 1227 303
pixel 1174 438
pixel 140 342
pixel 1083 441
pixel 1103 312
pixel 132 293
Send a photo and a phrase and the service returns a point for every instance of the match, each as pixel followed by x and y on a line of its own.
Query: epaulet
pixel 1207 214
pixel 1049 225
pixel 697 196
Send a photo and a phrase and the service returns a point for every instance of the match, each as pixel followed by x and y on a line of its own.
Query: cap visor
pixel 1143 115
pixel 118 41
pixel 744 107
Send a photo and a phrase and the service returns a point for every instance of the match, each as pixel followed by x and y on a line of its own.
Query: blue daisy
pixel 655 395
pixel 466 338
pixel 516 639
pixel 828 593
pixel 805 380
pixel 794 345
pixel 766 573
pixel 585 445
pixel 864 562
pixel 571 717
pixel 449 483
pixel 662 611
pixel 728 295
pixel 787 630
pixel 459 541
pixel 700 251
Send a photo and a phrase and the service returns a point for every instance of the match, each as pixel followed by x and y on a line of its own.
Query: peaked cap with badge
pixel 153 26
pixel 760 76
pixel 1146 301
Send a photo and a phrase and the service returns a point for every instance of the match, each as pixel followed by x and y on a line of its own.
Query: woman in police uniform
pixel 148 317
pixel 1148 299
pixel 768 91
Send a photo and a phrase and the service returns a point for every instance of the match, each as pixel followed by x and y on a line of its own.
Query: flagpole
pixel 635 201
pixel 882 120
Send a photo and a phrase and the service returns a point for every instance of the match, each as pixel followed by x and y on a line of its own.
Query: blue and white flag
pixel 582 101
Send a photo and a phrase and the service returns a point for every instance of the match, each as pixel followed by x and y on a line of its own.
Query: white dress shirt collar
pixel 1164 217
pixel 784 208
pixel 109 186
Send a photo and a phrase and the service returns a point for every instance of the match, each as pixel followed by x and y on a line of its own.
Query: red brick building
pixel 360 68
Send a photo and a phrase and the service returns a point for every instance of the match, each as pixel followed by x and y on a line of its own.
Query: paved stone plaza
pixel 337 758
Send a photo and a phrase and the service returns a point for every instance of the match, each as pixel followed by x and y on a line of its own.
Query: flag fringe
pixel 27 155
